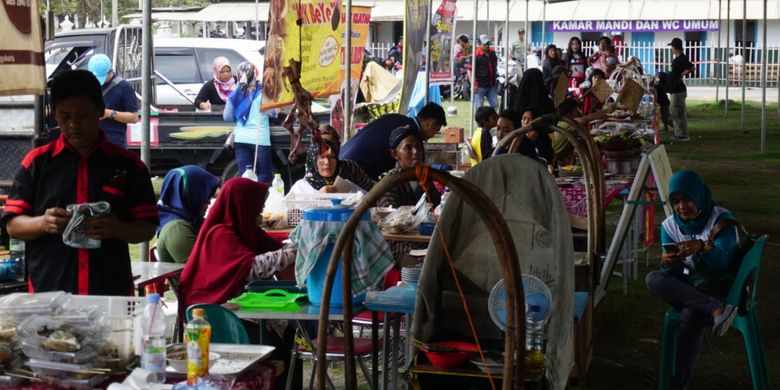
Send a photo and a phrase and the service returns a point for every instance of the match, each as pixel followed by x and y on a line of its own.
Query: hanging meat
pixel 301 111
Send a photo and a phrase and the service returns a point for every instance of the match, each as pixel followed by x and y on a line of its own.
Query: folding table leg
pixel 396 342
pixel 375 350
pixel 385 346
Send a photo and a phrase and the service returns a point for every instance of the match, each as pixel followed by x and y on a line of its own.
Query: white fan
pixel 536 293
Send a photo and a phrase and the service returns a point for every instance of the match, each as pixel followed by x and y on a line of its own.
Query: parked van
pixel 187 63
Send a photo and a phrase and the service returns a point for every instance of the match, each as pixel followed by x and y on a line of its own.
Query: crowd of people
pixel 225 247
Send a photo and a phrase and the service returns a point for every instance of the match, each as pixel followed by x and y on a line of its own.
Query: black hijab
pixel 532 94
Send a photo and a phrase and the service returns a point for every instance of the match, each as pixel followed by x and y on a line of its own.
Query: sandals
pixel 723 321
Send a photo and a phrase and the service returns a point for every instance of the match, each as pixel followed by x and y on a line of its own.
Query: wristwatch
pixel 113 114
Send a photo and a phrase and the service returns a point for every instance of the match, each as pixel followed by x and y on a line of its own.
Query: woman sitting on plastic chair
pixel 695 273
pixel 232 249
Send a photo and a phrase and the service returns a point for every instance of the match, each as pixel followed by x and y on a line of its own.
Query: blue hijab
pixel 689 184
pixel 185 191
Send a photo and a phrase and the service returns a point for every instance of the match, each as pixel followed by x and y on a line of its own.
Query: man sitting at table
pixel 406 148
pixel 569 108
pixel 81 166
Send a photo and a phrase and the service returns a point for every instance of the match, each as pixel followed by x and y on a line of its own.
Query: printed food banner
pixel 21 49
pixel 415 16
pixel 315 43
pixel 442 29
pixel 361 17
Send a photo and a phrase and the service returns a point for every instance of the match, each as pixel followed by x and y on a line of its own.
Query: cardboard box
pixel 453 135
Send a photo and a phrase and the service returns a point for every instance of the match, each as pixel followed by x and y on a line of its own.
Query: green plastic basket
pixel 274 299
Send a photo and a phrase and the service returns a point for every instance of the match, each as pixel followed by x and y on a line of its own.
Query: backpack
pixel 744 246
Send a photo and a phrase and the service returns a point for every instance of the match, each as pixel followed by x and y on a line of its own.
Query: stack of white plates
pixel 410 275
pixel 494 361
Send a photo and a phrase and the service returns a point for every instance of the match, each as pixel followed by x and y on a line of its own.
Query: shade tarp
pixel 233 12
pixel 169 16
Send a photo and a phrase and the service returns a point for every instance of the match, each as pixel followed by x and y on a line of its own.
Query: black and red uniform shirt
pixel 54 175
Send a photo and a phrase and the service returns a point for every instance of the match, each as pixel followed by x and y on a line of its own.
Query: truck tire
pixel 230 171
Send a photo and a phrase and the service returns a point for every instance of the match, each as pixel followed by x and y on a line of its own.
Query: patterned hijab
pixel 223 87
pixel 330 143
pixel 690 184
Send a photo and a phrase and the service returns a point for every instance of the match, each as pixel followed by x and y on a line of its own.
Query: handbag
pixel 744 246
pixel 229 140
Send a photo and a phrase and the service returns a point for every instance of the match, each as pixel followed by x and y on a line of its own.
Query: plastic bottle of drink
pixel 277 185
pixel 534 343
pixel 153 356
pixel 16 253
pixel 249 173
pixel 198 333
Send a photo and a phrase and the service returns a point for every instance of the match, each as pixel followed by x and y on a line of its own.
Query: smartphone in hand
pixel 671 248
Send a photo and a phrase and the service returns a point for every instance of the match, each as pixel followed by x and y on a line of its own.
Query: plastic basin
pixel 451 359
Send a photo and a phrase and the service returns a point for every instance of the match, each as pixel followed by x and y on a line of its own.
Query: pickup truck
pixel 179 135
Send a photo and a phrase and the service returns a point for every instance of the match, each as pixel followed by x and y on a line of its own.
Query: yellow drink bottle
pixel 198 334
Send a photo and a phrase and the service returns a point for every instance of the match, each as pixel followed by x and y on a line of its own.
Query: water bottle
pixel 534 343
pixel 198 334
pixel 16 254
pixel 153 356
pixel 277 185
pixel 249 173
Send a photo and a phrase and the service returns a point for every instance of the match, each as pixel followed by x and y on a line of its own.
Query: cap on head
pixel 676 43
pixel 521 31
pixel 484 39
pixel 399 134
pixel 100 65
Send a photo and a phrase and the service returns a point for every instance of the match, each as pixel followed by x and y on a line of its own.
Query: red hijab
pixel 230 238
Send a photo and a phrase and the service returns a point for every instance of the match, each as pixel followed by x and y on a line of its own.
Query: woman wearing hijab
pixel 696 273
pixel 218 89
pixel 184 196
pixel 532 94
pixel 252 134
pixel 232 249
pixel 326 173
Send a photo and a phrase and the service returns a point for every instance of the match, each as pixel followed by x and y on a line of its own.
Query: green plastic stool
pixel 746 322
pixel 226 327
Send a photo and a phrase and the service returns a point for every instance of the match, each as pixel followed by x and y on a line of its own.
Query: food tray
pixel 275 299
pixel 34 350
pixel 233 360
pixel 265 285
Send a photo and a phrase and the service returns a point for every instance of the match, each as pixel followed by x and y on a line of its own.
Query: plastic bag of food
pixel 405 218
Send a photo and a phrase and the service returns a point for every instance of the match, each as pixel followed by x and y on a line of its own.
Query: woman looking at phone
pixel 696 271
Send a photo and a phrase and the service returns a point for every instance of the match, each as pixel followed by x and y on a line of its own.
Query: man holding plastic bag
pixel 106 188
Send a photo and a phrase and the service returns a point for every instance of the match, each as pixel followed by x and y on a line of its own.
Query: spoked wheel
pixel 514 342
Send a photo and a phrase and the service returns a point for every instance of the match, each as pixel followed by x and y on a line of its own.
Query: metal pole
pixel 764 54
pixel 717 57
pixel 428 61
pixel 114 13
pixel 544 20
pixel 347 103
pixel 744 66
pixel 257 19
pixel 728 53
pixel 507 55
pixel 527 30
pixel 473 65
pixel 146 96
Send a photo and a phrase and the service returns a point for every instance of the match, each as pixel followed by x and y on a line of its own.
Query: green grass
pixel 628 328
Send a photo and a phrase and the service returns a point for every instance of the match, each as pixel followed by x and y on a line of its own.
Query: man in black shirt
pixel 677 91
pixel 81 166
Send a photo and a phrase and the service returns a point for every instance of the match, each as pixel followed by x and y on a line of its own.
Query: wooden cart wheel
pixel 505 249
